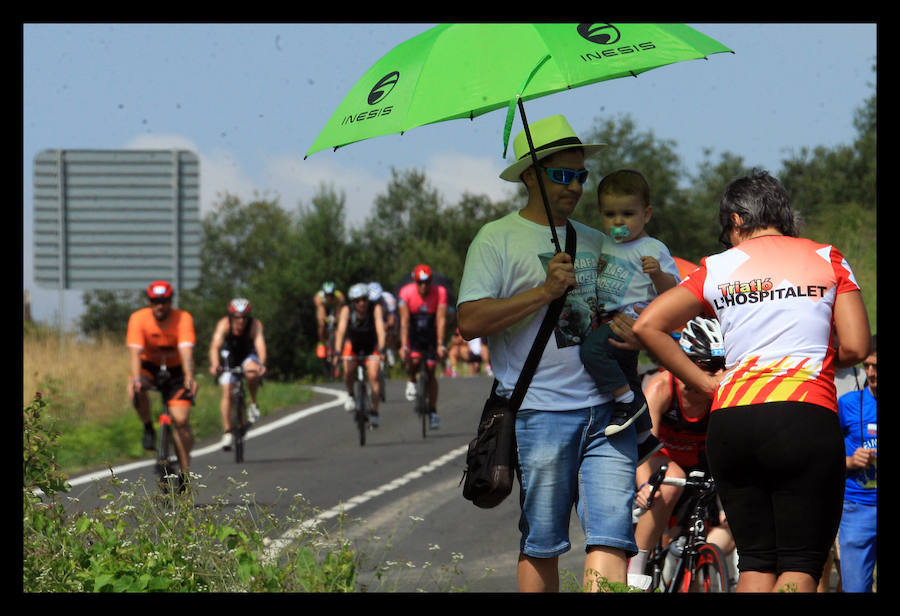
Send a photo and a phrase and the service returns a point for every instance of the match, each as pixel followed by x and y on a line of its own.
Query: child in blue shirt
pixel 631 272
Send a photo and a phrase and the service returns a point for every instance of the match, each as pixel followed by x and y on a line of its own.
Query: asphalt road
pixel 400 492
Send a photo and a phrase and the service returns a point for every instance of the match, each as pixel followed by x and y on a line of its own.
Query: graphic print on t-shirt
pixel 579 313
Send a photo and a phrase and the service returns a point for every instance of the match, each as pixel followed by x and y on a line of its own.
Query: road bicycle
pixel 421 400
pixel 361 393
pixel 688 563
pixel 239 422
pixel 330 362
pixel 165 461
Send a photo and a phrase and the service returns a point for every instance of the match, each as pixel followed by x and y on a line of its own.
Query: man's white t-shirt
pixel 509 256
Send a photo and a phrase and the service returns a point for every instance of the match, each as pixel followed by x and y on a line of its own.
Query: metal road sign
pixel 116 219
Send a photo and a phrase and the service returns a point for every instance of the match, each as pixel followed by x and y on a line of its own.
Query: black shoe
pixel 624 414
pixel 647 448
pixel 149 439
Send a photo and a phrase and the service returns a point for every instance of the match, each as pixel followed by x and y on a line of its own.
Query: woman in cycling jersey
pixel 774 441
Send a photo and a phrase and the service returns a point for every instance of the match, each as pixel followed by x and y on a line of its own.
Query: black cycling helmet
pixel 702 340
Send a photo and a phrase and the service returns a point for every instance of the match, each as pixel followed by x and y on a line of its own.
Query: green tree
pixel 106 312
pixel 403 229
pixel 243 244
pixel 694 231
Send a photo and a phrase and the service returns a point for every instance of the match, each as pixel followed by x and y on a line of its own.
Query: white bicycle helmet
pixel 357 291
pixel 239 307
pixel 375 291
pixel 702 340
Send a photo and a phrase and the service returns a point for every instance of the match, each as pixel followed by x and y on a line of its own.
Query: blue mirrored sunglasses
pixel 565 176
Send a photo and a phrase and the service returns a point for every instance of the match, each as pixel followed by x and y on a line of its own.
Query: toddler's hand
pixel 650 265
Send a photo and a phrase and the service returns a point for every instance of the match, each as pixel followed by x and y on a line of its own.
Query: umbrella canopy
pixel 455 71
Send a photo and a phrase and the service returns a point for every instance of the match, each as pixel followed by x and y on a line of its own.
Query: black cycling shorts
pixel 171 388
pixel 423 342
pixel 779 471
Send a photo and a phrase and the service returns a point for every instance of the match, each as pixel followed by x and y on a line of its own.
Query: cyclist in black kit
pixel 238 340
pixel 360 331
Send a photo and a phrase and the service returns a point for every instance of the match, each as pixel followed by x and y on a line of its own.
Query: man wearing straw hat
pixel 510 277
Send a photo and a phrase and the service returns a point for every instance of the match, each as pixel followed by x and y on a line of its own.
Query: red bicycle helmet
pixel 239 307
pixel 159 289
pixel 422 273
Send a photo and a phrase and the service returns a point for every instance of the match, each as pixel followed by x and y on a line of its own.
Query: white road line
pixel 196 453
pixel 274 548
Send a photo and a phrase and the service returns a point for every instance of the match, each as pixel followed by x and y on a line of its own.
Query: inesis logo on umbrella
pixel 377 94
pixel 608 34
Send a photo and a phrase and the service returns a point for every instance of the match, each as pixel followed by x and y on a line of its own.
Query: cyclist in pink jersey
pixel 774 443
pixel 423 317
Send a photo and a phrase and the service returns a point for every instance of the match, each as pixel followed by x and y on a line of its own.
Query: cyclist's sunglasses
pixel 160 300
pixel 565 176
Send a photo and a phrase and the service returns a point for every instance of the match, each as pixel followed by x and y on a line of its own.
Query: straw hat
pixel 548 135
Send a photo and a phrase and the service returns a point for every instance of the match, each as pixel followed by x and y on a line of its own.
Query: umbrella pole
pixel 540 178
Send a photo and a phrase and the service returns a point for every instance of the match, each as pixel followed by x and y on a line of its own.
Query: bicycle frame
pixel 163 384
pixel 694 558
pixel 422 383
pixel 361 393
pixel 238 411
pixel 332 369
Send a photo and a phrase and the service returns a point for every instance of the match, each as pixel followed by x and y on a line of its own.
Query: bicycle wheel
pixel 422 399
pixel 362 408
pixel 238 412
pixel 710 574
pixel 162 447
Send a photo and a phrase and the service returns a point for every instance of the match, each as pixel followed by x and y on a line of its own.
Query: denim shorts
pixel 565 460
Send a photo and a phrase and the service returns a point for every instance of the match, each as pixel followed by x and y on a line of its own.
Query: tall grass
pixel 87 379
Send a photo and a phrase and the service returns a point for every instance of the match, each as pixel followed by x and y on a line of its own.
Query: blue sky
pixel 249 100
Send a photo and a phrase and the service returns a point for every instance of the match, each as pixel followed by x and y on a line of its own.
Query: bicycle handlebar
pixel 696 479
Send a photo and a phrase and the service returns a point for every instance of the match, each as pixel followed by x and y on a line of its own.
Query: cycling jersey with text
pixel 774 299
pixel 159 341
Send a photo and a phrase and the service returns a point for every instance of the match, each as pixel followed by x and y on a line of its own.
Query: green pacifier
pixel 619 233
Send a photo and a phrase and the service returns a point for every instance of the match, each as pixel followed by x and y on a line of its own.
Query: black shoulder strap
pixel 547 325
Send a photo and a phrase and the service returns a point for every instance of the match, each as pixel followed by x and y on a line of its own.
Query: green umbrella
pixel 455 71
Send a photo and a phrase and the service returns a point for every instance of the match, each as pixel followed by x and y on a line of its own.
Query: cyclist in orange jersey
pixel 161 335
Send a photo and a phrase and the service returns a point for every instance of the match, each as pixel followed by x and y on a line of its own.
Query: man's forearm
pixel 487 316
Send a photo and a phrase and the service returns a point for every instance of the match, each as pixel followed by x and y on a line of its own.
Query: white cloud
pixel 220 172
pixel 453 174
pixel 297 180
pixel 294 180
